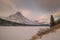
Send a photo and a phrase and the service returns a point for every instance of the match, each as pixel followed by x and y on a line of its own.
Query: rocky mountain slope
pixel 17 19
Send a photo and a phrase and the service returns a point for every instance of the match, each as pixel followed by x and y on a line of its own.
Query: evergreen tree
pixel 52 21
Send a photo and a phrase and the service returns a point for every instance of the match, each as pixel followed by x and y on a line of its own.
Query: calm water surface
pixel 20 33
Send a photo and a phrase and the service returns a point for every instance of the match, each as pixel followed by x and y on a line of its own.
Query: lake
pixel 24 33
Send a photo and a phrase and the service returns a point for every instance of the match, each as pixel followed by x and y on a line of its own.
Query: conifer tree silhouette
pixel 52 21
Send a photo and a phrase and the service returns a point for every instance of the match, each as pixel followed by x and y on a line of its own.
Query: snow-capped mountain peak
pixel 19 18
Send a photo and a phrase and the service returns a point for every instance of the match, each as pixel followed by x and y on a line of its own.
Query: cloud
pixel 43 18
pixel 8 4
pixel 57 13
pixel 49 5
pixel 7 7
pixel 6 1
pixel 31 8
pixel 25 12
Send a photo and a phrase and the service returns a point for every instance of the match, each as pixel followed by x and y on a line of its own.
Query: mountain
pixel 4 22
pixel 19 18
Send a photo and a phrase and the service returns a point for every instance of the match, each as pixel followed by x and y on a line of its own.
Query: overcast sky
pixel 32 9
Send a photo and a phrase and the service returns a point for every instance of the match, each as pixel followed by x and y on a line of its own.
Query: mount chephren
pixel 17 20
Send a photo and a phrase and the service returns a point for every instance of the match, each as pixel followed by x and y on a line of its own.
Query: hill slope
pixel 9 23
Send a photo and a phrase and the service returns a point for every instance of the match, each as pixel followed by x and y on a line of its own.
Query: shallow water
pixel 19 32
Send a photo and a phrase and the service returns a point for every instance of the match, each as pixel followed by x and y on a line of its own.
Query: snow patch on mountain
pixel 19 18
